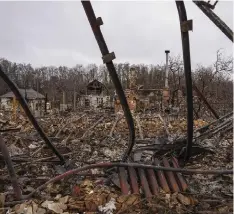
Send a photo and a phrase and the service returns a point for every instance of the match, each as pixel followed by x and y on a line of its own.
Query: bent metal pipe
pixel 29 114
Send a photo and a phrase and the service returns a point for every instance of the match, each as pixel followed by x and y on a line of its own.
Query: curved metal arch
pixel 187 72
pixel 107 57
pixel 95 25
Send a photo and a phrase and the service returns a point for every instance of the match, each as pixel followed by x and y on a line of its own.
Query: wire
pixel 135 165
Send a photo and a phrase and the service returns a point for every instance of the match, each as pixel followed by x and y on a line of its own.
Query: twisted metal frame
pixel 95 23
pixel 185 26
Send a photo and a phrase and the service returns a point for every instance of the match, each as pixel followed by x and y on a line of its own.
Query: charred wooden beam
pixel 205 101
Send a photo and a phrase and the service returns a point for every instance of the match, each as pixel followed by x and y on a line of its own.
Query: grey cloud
pixel 58 33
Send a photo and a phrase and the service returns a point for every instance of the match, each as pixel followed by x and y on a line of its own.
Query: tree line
pixel 214 81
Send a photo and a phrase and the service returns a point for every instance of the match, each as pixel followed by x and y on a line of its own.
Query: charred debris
pixel 137 151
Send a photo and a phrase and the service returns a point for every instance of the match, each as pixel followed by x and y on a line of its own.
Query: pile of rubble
pixel 89 137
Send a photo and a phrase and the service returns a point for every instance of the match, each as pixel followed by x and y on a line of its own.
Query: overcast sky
pixel 58 33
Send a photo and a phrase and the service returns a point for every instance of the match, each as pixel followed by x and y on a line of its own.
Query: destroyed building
pixel 83 163
pixel 140 99
pixel 35 100
pixel 96 96
pixel 158 99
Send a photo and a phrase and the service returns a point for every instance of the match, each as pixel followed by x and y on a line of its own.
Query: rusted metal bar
pixel 204 128
pixel 207 4
pixel 135 165
pixel 215 19
pixel 123 181
pixel 219 129
pixel 107 59
pixel 133 180
pixel 205 101
pixel 170 176
pixel 216 129
pixel 225 131
pixel 185 26
pixel 161 177
pixel 7 158
pixel 152 181
pixel 182 183
pixel 144 183
pixel 29 114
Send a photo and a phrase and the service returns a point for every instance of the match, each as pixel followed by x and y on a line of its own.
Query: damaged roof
pixel 30 94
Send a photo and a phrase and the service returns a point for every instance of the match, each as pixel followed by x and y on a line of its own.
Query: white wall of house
pixel 34 105
pixel 6 103
pixel 95 100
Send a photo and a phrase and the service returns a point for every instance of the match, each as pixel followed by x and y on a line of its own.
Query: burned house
pixel 35 100
pixel 96 96
pixel 140 99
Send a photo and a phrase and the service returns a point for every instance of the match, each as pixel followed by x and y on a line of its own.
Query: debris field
pixel 111 163
pixel 91 137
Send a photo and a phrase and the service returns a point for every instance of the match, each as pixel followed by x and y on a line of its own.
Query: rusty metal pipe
pixel 183 185
pixel 11 171
pixel 123 181
pixel 29 114
pixel 152 181
pixel 161 177
pixel 170 176
pixel 144 183
pixel 95 25
pixel 135 165
pixel 204 128
pixel 133 180
pixel 188 76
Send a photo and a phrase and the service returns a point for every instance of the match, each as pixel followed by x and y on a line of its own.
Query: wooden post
pixel 74 107
pixel 64 100
pixel 45 106
pixel 21 108
pixel 14 108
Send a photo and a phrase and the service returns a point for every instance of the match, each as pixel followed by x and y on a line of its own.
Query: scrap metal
pixel 220 126
pixel 151 177
pixel 185 26
pixel 11 170
pixel 221 119
pixel 157 168
pixel 29 114
pixel 127 165
pixel 95 24
pixel 214 18
pixel 188 77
